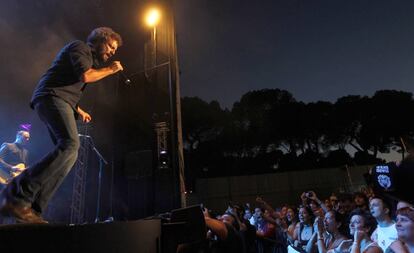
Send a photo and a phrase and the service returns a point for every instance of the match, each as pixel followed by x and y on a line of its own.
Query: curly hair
pixel 102 35
pixel 369 221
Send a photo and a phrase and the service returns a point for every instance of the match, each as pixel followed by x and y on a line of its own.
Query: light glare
pixel 153 17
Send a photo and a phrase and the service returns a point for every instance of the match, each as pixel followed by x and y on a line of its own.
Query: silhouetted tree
pixel 269 130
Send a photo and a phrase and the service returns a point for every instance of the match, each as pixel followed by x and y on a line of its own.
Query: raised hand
pixel 359 235
pixel 312 195
pixel 206 212
pixel 303 196
pixel 318 225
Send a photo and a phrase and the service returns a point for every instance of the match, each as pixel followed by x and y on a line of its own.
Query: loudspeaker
pixel 193 226
pixel 185 226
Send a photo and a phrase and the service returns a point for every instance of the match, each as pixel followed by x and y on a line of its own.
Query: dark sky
pixel 316 49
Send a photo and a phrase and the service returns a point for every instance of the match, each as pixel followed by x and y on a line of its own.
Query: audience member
pixel 327 235
pixel 405 231
pixel 292 221
pixel 345 204
pixel 361 200
pixel 224 236
pixel 360 227
pixel 304 229
pixel 385 233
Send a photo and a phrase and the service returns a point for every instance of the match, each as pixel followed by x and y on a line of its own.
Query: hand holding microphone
pixel 117 67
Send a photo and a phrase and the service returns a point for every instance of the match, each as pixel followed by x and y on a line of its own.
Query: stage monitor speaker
pixel 193 228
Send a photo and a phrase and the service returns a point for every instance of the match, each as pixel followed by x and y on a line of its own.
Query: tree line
pixel 269 130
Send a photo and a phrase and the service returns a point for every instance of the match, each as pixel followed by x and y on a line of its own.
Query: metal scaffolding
pixel 162 130
pixel 77 208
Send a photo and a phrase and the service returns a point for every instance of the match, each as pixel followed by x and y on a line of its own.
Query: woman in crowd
pixel 327 235
pixel 405 230
pixel 361 226
pixel 291 221
pixel 304 229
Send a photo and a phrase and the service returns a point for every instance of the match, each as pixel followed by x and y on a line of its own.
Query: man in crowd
pixel 385 233
pixel 225 235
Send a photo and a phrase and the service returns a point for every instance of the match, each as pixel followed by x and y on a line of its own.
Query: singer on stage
pixel 55 100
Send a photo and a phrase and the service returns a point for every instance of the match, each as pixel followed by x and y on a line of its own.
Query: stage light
pixel 152 17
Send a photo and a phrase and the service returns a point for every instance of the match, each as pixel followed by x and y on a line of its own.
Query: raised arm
pixel 266 206
pixel 313 196
pixel 94 75
pixel 216 226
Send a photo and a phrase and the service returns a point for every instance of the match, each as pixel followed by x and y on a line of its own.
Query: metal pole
pixel 177 195
pixel 155 45
pixel 98 202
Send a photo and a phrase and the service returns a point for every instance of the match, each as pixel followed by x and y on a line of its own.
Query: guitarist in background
pixel 13 157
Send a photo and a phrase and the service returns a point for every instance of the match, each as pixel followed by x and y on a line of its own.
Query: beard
pixel 101 54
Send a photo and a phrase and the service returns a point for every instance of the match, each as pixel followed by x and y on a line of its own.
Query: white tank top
pixel 386 235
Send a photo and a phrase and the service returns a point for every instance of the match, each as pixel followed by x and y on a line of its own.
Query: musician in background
pixel 13 157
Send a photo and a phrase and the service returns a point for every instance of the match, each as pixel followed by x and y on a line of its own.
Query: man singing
pixel 55 100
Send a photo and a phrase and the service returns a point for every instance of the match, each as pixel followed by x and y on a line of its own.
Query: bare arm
pixel 311 243
pixel 266 206
pixel 374 236
pixel 356 245
pixel 317 238
pixel 84 115
pixel 373 250
pixel 94 75
pixel 3 152
pixel 291 233
pixel 270 219
pixel 218 227
pixel 317 200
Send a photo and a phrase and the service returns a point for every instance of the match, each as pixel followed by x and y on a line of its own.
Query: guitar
pixel 6 177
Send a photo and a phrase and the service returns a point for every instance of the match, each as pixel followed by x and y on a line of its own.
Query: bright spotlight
pixel 153 17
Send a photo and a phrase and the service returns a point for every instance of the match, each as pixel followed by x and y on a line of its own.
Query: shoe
pixel 40 216
pixel 22 214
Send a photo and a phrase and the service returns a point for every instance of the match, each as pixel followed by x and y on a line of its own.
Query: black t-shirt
pixel 63 78
pixel 233 243
pixel 249 237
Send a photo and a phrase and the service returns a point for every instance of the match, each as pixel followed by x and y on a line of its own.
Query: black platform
pixel 118 237
pixel 152 235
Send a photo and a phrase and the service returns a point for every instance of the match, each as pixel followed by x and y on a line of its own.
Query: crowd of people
pixel 356 223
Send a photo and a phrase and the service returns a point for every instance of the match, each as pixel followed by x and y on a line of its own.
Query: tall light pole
pixel 152 18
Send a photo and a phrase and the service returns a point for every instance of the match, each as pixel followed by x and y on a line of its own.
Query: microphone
pixel 127 81
pixel 85 136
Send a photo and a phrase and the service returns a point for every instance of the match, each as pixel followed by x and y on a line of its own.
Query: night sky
pixel 316 49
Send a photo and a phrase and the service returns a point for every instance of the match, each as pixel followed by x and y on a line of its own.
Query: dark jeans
pixel 36 186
